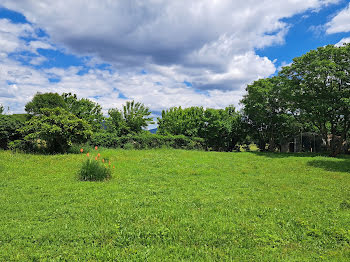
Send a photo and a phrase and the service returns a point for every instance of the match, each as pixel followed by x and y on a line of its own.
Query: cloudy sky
pixel 163 53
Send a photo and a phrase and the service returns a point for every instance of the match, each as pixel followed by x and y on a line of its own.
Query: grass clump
pixel 94 170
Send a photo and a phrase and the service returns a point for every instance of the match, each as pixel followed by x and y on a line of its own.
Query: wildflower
pixel 98 155
pixel 113 166
pixel 96 147
pixel 96 158
pixel 103 160
pixel 87 154
pixel 109 162
pixel 81 150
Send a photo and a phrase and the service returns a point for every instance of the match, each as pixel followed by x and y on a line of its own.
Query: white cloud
pixel 10 36
pixel 340 23
pixel 210 44
pixel 343 41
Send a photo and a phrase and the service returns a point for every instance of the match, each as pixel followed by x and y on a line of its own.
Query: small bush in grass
pixel 94 170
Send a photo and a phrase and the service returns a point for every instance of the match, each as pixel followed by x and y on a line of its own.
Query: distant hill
pixel 153 131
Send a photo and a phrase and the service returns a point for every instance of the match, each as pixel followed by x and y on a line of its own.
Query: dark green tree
pixel 318 85
pixel 266 112
pixel 46 100
pixel 9 130
pixel 56 129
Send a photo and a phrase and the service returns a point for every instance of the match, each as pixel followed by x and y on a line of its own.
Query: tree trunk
pixel 272 145
pixel 336 144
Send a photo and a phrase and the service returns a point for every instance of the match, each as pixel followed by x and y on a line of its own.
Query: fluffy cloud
pixel 340 23
pixel 343 41
pixel 199 52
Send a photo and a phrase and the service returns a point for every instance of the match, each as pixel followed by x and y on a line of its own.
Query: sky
pixel 162 53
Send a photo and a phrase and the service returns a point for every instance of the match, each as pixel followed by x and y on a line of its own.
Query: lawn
pixel 176 205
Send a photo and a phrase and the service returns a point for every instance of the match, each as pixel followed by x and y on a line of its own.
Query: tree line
pixel 312 94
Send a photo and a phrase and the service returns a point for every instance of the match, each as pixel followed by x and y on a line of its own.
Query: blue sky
pixel 161 53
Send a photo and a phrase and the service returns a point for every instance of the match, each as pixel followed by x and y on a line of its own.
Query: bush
pixel 94 170
pixel 76 148
pixel 145 141
pixel 9 130
pixel 56 130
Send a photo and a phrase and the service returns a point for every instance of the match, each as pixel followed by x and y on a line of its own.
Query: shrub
pixel 56 130
pixel 9 130
pixel 145 140
pixel 94 170
pixel 76 148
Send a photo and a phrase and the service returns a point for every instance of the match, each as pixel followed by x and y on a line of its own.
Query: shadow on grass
pixel 285 155
pixel 334 166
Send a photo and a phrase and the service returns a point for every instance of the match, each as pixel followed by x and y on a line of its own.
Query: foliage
pixel 267 114
pixel 1 109
pixel 176 205
pixel 146 140
pixel 94 170
pixel 9 130
pixel 220 128
pixel 116 123
pixel 319 88
pixel 46 100
pixel 131 119
pixel 56 130
pixel 85 109
pixel 20 117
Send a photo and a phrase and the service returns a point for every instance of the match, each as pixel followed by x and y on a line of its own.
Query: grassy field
pixel 175 205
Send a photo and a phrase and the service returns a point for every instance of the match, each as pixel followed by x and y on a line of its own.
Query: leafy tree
pixel 318 85
pixel 9 130
pixel 267 114
pixel 220 128
pixel 1 109
pixel 131 119
pixel 46 100
pixel 57 128
pixel 177 121
pixel 85 109
pixel 116 123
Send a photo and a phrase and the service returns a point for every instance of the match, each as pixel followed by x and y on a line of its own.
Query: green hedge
pixel 9 130
pixel 143 141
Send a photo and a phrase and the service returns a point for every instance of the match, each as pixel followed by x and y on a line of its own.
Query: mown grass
pixel 175 205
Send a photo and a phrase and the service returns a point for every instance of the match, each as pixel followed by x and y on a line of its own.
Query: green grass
pixel 175 205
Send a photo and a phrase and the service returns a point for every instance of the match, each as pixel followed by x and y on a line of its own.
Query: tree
pixel 46 100
pixel 131 119
pixel 318 85
pixel 220 128
pixel 84 109
pixel 267 114
pixel 9 130
pixel 116 123
pixel 57 128
pixel 178 121
pixel 1 109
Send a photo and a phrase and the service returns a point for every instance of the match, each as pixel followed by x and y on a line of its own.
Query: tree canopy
pixel 56 129
pixel 131 119
pixel 319 89
pixel 45 100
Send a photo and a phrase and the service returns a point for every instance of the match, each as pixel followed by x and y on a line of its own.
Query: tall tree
pixel 131 119
pixel 318 84
pixel 46 100
pixel 85 109
pixel 267 114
